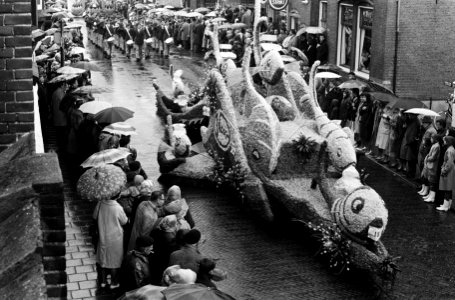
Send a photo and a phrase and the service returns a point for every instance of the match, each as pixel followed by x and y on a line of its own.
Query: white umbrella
pixel 120 128
pixel 94 107
pixel 194 15
pixel 180 13
pixel 422 111
pixel 270 47
pixel 327 75
pixel 169 7
pixel 315 30
pixel 77 50
pixel 219 19
pixel 211 14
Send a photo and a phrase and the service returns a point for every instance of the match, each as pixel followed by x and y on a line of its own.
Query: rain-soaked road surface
pixel 279 263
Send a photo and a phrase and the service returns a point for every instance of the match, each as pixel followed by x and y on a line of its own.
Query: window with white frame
pixel 345 33
pixel 323 14
pixel 363 45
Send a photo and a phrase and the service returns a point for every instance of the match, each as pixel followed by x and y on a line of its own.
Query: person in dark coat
pixel 409 145
pixel 333 93
pixel 136 266
pixel 198 32
pixel 188 257
pixel 322 50
pixel 365 114
pixel 311 51
pixel 139 42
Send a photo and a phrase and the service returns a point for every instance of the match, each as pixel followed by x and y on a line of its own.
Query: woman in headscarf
pixel 147 215
pixel 177 205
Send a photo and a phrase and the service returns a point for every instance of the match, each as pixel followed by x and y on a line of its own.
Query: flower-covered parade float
pixel 277 146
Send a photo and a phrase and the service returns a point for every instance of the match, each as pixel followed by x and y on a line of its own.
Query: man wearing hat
pixel 136 266
pixel 188 257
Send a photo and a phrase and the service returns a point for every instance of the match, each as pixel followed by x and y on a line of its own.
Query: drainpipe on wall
pixel 395 58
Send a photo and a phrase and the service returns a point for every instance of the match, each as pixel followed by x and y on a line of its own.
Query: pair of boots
pixel 427 194
pixel 445 206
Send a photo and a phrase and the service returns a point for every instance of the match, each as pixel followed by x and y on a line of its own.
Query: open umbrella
pixel 194 14
pixel 87 66
pixel 37 33
pixel 353 84
pixel 422 111
pixel 91 89
pixel 194 292
pixel 63 77
pixel 271 47
pixel 315 30
pixel 218 19
pixel 52 48
pixel 77 50
pixel 405 103
pixel 120 129
pixel 140 6
pixel 202 10
pixel 327 75
pixel 180 13
pixel 212 14
pixel 108 156
pixel 383 97
pixel 94 107
pixel 101 183
pixel 70 70
pixel 169 7
pixel 114 115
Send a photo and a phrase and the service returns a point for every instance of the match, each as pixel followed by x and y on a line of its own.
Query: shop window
pixel 323 14
pixel 345 35
pixel 363 51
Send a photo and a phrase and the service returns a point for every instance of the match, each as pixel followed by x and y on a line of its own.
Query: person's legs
pixel 114 278
pixel 103 280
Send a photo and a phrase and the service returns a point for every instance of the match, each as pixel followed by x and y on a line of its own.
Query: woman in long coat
pixel 409 145
pixel 109 253
pixel 382 139
pixel 447 179
pixel 430 169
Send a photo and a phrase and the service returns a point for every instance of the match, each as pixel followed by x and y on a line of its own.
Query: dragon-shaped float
pixel 277 147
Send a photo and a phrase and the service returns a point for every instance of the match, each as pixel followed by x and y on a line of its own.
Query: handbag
pixel 94 230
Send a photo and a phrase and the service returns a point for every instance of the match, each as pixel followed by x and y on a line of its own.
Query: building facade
pixel 405 45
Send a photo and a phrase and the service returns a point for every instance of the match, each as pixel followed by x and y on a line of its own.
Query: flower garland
pixel 221 175
pixel 333 245
pixel 304 146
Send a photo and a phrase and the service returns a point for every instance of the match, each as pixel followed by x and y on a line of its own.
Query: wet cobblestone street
pixel 262 262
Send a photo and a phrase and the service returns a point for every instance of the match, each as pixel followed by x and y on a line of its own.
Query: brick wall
pixel 426 53
pixel 16 94
pixel 425 47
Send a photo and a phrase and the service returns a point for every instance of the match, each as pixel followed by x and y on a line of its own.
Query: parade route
pixel 262 263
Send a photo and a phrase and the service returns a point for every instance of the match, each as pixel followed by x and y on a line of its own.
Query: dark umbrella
pixel 383 97
pixel 113 115
pixel 406 103
pixel 194 292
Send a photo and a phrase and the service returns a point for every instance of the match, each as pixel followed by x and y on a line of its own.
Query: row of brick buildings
pixel 405 45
